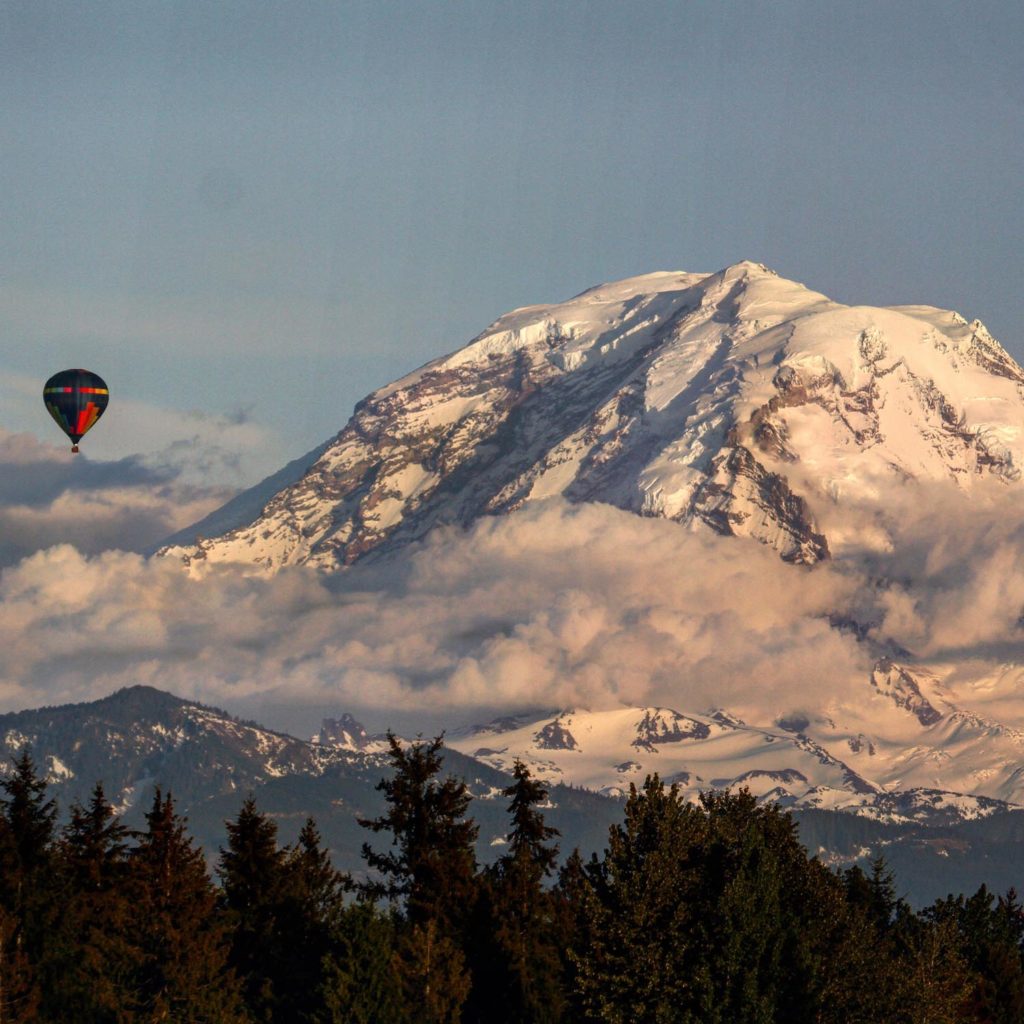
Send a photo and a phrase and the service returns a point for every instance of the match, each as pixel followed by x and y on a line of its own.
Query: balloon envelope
pixel 76 400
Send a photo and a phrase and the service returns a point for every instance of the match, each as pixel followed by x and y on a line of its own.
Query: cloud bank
pixel 554 606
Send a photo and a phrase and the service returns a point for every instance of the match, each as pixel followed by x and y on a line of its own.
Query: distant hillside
pixel 141 737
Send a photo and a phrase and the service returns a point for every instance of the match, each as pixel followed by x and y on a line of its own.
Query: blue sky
pixel 246 216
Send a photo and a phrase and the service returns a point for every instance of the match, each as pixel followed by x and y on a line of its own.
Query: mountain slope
pixel 737 400
pixel 892 767
pixel 141 737
pixel 247 506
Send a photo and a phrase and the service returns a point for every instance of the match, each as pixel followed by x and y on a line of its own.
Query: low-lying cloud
pixel 955 577
pixel 556 605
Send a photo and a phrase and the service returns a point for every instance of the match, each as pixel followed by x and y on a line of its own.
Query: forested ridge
pixel 693 913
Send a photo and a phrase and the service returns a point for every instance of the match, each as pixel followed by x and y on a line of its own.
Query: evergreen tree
pixel 835 969
pixel 19 988
pixel 905 967
pixel 934 982
pixel 874 966
pixel 185 973
pixel 527 842
pixel 30 815
pixel 93 846
pixel 27 885
pixel 431 869
pixel 433 865
pixel 252 871
pixel 308 919
pixel 874 893
pixel 517 967
pixel 709 913
pixel 318 886
pixel 990 938
pixel 578 909
pixel 769 919
pixel 90 958
pixel 361 983
pixel 637 923
pixel 432 971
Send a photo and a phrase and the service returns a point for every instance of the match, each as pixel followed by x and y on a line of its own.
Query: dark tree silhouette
pixel 516 953
pixel 185 973
pixel 431 870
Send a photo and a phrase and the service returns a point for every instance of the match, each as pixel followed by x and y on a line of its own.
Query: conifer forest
pixel 709 912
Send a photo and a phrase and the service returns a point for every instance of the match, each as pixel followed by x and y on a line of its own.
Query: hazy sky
pixel 258 212
pixel 247 216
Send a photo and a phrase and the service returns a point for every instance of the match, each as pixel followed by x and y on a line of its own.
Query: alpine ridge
pixel 797 763
pixel 737 401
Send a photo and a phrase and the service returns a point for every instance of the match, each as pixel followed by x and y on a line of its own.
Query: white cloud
pixel 956 574
pixel 556 605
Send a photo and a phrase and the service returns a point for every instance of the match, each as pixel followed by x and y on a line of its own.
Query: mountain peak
pixel 141 692
pixel 737 401
pixel 746 268
pixel 344 732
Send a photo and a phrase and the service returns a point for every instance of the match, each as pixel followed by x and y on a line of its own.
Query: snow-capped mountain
pixel 798 763
pixel 738 400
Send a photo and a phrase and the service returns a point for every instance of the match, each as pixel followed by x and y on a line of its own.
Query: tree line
pixel 710 912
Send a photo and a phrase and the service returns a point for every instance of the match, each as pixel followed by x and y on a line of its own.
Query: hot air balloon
pixel 76 400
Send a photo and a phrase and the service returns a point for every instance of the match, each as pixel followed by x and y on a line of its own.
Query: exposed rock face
pixel 739 401
pixel 902 688
pixel 344 732
pixel 741 488
pixel 660 725
pixel 787 776
pixel 555 736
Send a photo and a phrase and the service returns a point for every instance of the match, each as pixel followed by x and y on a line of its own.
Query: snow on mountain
pixel 895 771
pixel 737 400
